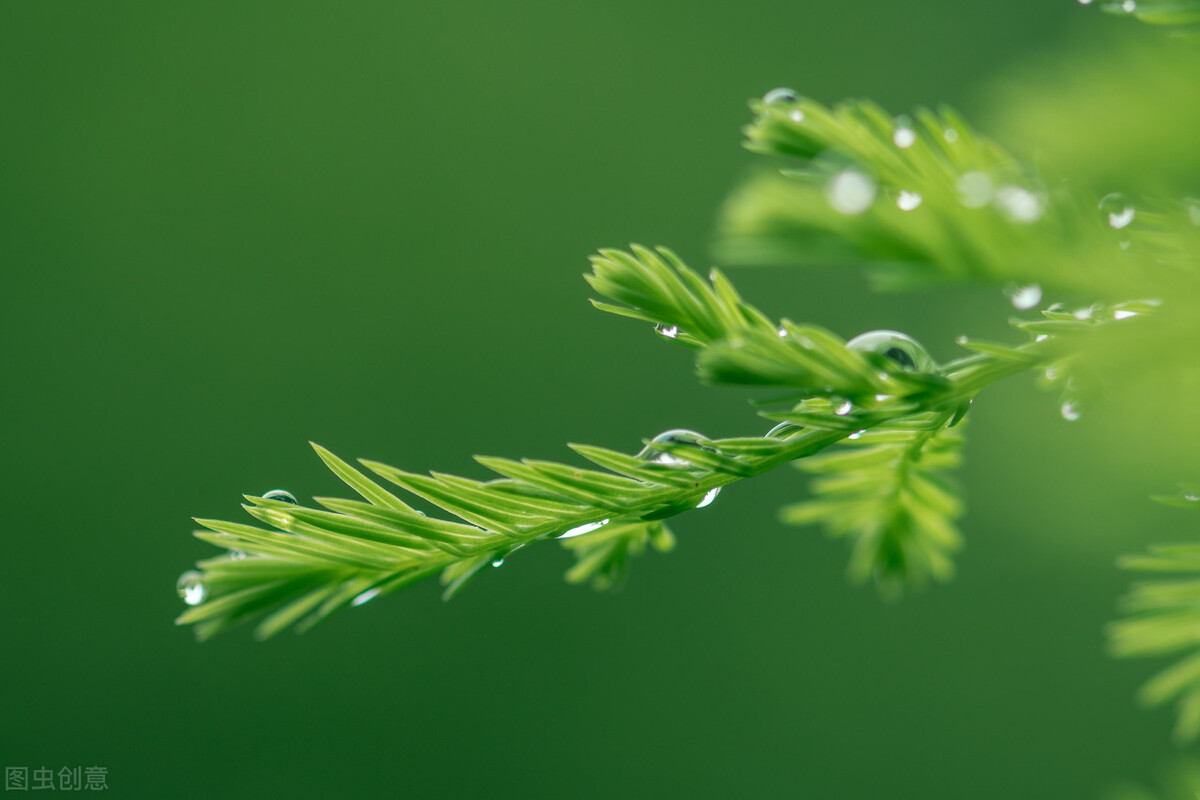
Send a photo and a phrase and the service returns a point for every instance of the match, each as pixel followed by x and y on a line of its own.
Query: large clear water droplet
pixel 1018 204
pixel 781 95
pixel 365 597
pixel 975 190
pixel 1024 297
pixel 907 201
pixel 898 347
pixel 673 436
pixel 784 429
pixel 1119 210
pixel 851 192
pixel 587 527
pixel 1070 410
pixel 191 588
pixel 281 495
pixel 709 496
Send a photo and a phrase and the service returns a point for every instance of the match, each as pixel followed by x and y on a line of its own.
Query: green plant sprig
pixel 316 561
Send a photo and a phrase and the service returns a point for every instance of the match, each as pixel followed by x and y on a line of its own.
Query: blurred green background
pixel 231 228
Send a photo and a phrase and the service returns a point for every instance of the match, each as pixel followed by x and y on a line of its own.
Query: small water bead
pixel 856 435
pixel 975 190
pixel 498 561
pixel 1070 410
pixel 1193 211
pixel 1119 210
pixel 1129 6
pixel 1085 2
pixel 236 555
pixel 1041 337
pixel 281 495
pixel 1191 497
pixel 780 95
pixel 904 136
pixel 796 115
pixel 844 408
pixel 365 597
pixel 900 348
pixel 587 527
pixel 709 496
pixel 1024 297
pixel 191 588
pixel 669 332
pixel 851 192
pixel 950 135
pixel 782 333
pixel 1121 313
pixel 1051 373
pixel 907 201
pixel 1018 204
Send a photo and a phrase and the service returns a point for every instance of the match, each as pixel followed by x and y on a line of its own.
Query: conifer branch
pixel 881 389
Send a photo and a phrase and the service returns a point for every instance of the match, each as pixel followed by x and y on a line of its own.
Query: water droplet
pixel 709 496
pixel 281 495
pixel 1083 314
pixel 1024 297
pixel 1051 373
pixel 851 192
pixel 907 201
pixel 1085 2
pixel 587 527
pixel 1041 337
pixel 1119 210
pixel 844 408
pixel 882 398
pixel 365 597
pixel 1193 211
pixel 1129 6
pixel 950 135
pixel 498 561
pixel 782 332
pixel 796 115
pixel 191 588
pixel 669 332
pixel 900 348
pixel 904 136
pixel 781 95
pixel 1070 410
pixel 236 555
pixel 975 190
pixel 1191 497
pixel 1122 313
pixel 1018 204
pixel 856 435
pixel 677 436
pixel 783 429
pixel 1124 244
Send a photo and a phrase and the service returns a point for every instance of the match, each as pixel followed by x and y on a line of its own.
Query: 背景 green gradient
pixel 230 228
